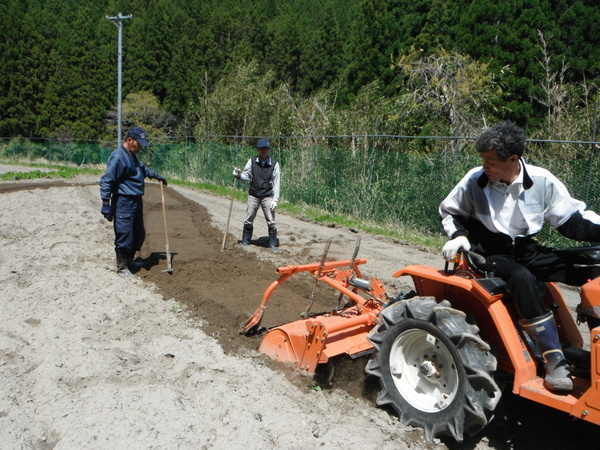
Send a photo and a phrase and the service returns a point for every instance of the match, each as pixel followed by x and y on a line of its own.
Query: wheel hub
pixel 428 369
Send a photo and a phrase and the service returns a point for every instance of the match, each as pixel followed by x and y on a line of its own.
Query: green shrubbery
pixel 395 189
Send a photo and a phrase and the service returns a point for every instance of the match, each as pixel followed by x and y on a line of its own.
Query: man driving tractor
pixel 496 210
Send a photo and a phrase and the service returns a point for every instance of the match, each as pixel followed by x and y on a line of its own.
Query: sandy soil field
pixel 90 359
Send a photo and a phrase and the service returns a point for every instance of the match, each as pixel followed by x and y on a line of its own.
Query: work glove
pixel 453 246
pixel 273 205
pixel 106 210
pixel 162 179
pixel 237 173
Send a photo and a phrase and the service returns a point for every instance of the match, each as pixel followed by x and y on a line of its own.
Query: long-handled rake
pixel 169 264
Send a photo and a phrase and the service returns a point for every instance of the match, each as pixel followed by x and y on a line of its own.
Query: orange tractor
pixel 443 351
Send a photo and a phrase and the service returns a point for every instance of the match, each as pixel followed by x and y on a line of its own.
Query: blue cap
pixel 139 134
pixel 262 143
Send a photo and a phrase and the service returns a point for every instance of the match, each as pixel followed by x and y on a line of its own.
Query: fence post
pixel 592 147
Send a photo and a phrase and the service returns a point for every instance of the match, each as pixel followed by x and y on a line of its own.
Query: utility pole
pixel 118 21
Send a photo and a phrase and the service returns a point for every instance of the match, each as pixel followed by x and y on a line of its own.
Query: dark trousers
pixel 129 224
pixel 522 279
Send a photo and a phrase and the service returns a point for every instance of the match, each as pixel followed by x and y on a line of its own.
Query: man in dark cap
pixel 264 176
pixel 121 189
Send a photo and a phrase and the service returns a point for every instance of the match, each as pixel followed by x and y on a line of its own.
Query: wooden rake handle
pixel 229 215
pixel 168 250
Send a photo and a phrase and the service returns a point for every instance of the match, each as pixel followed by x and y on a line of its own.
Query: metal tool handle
pixel 318 274
pixel 352 260
pixel 229 215
pixel 355 254
pixel 168 249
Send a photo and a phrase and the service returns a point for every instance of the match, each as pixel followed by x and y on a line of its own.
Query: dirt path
pixel 91 359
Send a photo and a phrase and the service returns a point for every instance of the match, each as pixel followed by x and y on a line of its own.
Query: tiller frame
pixel 315 339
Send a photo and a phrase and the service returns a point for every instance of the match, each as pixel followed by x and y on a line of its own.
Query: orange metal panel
pixel 588 408
pixel 307 343
pixel 567 328
pixel 590 293
pixel 523 365
pixel 534 390
pixel 278 345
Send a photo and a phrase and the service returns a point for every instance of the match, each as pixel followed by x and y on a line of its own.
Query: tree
pixel 80 72
pixel 322 42
pixel 370 48
pixel 143 109
pixel 24 49
pixel 565 111
pixel 58 57
pixel 240 104
pixel 452 87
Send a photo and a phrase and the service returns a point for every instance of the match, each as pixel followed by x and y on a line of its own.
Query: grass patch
pixel 26 175
pixel 53 171
pixel 177 307
pixel 304 212
pixel 394 232
pixel 313 214
pixel 241 193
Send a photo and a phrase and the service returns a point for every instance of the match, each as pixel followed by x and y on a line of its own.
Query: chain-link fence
pixel 388 181
pixel 59 152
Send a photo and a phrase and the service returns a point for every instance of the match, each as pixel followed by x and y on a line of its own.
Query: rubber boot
pixel 273 241
pixel 122 268
pixel 134 266
pixel 542 331
pixel 247 235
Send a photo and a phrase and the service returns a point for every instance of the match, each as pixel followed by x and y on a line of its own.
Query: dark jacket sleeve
pixel 579 228
pixel 148 173
pixel 110 180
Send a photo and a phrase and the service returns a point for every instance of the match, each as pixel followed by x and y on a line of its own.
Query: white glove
pixel 453 246
pixel 273 205
pixel 237 172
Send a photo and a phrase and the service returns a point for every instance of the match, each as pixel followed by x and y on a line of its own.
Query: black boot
pixel 134 266
pixel 542 330
pixel 273 241
pixel 122 268
pixel 247 235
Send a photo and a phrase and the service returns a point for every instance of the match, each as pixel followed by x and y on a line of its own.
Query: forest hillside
pixel 238 67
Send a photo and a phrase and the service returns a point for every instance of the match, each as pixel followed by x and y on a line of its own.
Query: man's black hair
pixel 505 137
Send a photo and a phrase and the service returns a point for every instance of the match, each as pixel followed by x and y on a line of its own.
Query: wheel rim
pixel 423 370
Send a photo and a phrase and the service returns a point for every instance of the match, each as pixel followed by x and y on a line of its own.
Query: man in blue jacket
pixel 121 189
pixel 496 210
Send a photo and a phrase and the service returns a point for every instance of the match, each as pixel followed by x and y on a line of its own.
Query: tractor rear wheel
pixel 433 367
